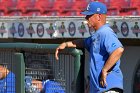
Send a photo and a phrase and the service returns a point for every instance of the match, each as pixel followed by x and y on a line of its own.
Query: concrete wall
pixel 130 61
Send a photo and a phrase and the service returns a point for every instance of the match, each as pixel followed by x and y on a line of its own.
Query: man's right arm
pixel 75 44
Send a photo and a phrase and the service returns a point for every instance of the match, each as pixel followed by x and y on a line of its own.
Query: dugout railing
pixel 38 62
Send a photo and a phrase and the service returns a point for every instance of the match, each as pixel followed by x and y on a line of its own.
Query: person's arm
pixel 76 43
pixel 113 58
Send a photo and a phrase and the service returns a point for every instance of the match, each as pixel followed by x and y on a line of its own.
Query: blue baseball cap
pixel 95 8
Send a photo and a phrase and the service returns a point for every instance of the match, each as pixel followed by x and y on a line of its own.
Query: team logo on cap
pixel 88 6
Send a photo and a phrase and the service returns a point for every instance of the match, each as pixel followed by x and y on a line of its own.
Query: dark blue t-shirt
pixel 7 85
pixel 100 45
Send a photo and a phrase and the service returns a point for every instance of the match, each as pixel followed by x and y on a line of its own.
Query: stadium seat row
pixel 122 7
pixel 64 7
pixel 41 7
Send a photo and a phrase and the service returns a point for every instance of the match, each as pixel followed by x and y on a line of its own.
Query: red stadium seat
pixel 2 7
pixel 10 5
pixel 65 8
pixel 113 12
pixel 80 5
pixel 32 13
pixel 135 4
pixel 106 2
pixel 9 8
pixel 69 13
pixel 120 3
pixel 129 12
pixel 13 13
pixel 134 7
pixel 116 6
pixel 44 5
pixel 63 5
pixel 50 13
pixel 26 5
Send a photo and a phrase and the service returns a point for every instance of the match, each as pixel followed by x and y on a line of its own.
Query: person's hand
pixel 103 82
pixel 60 47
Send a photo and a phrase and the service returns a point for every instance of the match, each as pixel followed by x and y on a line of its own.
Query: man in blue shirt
pixel 51 86
pixel 7 80
pixel 105 51
pixel 47 86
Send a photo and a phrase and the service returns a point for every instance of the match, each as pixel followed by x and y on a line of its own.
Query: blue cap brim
pixel 87 13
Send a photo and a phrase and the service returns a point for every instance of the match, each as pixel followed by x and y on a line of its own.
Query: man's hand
pixel 75 43
pixel 113 58
pixel 103 78
pixel 60 47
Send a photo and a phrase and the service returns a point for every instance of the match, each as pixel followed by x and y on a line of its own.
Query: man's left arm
pixel 113 58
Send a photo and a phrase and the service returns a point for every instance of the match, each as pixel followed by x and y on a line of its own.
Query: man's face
pixel 88 16
pixel 91 20
pixel 0 75
pixel 87 19
pixel 1 72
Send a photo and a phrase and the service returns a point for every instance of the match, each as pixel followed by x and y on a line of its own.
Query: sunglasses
pixel 87 17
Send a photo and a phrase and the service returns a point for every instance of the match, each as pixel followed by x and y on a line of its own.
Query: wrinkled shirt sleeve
pixel 111 42
pixel 87 43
